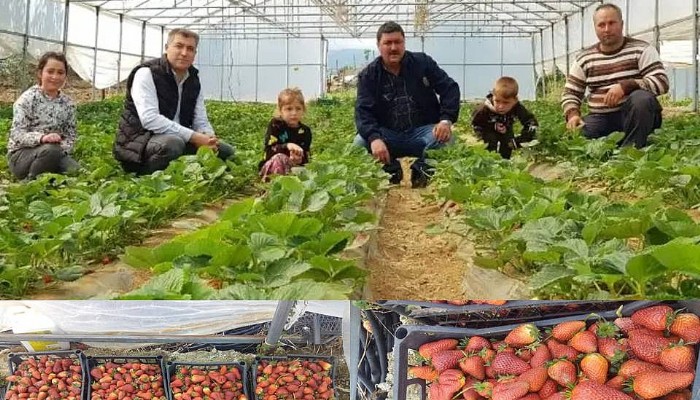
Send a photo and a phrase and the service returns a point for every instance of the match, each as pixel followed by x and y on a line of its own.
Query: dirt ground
pixel 409 263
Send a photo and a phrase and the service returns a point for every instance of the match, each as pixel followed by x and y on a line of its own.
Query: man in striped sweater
pixel 623 75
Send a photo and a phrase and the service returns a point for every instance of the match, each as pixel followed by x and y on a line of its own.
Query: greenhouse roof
pixel 346 18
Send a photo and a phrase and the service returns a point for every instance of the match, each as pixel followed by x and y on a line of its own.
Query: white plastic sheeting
pixel 162 317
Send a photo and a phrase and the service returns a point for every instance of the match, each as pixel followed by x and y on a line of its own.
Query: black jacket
pixel 132 137
pixel 425 81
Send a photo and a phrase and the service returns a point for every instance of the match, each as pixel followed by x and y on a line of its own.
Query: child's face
pixel 292 113
pixel 503 104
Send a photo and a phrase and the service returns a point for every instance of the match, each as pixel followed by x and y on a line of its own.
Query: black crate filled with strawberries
pixel 294 377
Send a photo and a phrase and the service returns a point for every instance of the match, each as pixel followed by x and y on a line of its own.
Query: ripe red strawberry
pixel 647 347
pixel 535 378
pixel 509 390
pixel 559 350
pixel 632 368
pixel 595 367
pixel 423 372
pixel 509 364
pixel 678 358
pixel 564 331
pixel 531 396
pixel 605 329
pixel 541 356
pixel 625 324
pixel 468 391
pixel 473 366
pixel 447 359
pixel 612 349
pixel 487 355
pixel 549 388
pixel 687 327
pixel 484 388
pixel 524 353
pixel 476 343
pixel 452 378
pixel 558 396
pixel 591 390
pixel 616 382
pixel 426 350
pixel 682 395
pixel 440 392
pixel 656 318
pixel 653 384
pixel 585 342
pixel 563 372
pixel 523 335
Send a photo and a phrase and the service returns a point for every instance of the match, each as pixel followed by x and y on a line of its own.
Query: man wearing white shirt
pixel 164 115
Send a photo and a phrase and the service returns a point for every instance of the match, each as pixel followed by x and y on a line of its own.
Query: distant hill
pixel 348 58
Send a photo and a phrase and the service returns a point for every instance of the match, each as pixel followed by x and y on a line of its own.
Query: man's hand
pixel 295 150
pixel 199 139
pixel 614 95
pixel 442 131
pixel 574 122
pixel 379 151
pixel 51 138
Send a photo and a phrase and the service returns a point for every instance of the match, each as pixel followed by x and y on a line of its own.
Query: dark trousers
pixel 162 149
pixel 639 116
pixel 412 143
pixel 29 162
pixel 503 143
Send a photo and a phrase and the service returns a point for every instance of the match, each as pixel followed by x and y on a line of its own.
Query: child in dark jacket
pixel 493 121
pixel 287 140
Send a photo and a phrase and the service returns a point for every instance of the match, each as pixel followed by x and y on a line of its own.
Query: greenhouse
pixel 557 215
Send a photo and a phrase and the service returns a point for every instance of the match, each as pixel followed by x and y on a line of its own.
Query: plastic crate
pixel 290 357
pixel 242 367
pixel 484 315
pixel 15 359
pixel 412 336
pixel 93 361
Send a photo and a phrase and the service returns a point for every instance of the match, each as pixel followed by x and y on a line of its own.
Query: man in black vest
pixel 164 115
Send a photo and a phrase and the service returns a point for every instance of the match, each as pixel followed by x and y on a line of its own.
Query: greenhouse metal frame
pixel 250 48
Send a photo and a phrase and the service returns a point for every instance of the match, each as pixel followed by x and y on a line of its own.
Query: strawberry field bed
pixel 285 239
pixel 648 347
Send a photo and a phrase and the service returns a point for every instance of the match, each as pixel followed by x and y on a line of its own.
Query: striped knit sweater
pixel 636 65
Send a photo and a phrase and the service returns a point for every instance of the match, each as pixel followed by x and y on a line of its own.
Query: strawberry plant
pixel 47 376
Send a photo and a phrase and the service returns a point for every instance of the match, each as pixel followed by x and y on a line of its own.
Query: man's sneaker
pixel 419 179
pixel 396 177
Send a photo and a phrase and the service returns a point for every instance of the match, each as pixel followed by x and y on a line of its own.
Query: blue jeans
pixel 639 116
pixel 411 143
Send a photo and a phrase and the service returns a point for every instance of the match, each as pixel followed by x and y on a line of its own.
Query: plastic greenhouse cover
pixel 164 317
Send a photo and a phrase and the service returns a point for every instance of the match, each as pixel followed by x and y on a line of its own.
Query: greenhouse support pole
pixel 566 48
pixel 286 61
pixel 544 75
pixel 696 32
pixel 534 64
pixel 257 60
pixel 119 55
pixel 627 17
pixel 94 55
pixel 464 59
pixel 284 307
pixel 65 26
pixel 143 40
pixel 25 42
pixel 502 45
pixel 354 358
pixel 554 57
pixel 317 329
pixel 583 30
pixel 657 30
pixel 223 61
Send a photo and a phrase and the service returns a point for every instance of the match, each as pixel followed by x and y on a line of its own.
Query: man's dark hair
pixel 610 6
pixel 389 27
